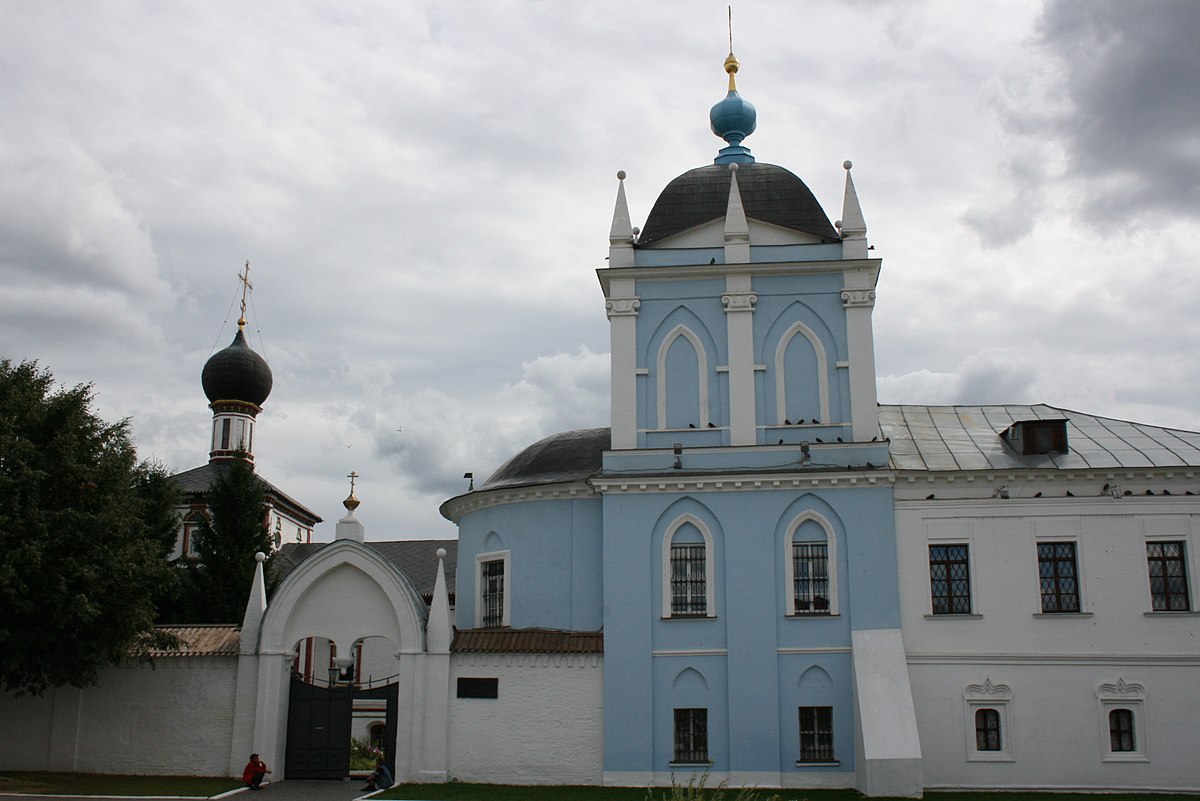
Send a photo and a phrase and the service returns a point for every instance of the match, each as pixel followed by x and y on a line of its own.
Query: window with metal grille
pixel 810 582
pixel 1120 730
pixel 816 734
pixel 491 575
pixel 950 579
pixel 1059 576
pixel 691 735
pixel 987 730
pixel 689 594
pixel 1168 577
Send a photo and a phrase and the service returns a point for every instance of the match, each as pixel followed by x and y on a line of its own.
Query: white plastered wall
pixel 169 719
pixel 1053 664
pixel 545 727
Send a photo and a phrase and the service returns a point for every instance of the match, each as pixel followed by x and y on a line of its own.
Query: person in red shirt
pixel 254 772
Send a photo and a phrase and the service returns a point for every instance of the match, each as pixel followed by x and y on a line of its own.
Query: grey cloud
pixel 1132 76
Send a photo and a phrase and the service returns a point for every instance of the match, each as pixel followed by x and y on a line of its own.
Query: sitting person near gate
pixel 254 772
pixel 380 778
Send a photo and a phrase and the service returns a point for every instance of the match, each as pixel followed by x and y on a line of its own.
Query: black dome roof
pixel 569 456
pixel 237 373
pixel 770 193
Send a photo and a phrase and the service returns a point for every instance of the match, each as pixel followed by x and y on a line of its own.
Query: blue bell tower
pixel 750 591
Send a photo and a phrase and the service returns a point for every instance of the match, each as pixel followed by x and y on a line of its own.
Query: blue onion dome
pixel 237 374
pixel 733 119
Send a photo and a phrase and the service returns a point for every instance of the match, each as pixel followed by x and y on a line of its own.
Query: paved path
pixel 295 790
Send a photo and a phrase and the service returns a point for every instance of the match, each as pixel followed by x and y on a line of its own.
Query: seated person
pixel 254 772
pixel 380 778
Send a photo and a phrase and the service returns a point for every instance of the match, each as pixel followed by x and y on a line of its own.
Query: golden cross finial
pixel 351 503
pixel 244 277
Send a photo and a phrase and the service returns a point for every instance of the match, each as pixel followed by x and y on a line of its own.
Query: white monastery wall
pixel 545 727
pixel 1056 730
pixel 175 718
pixel 1047 673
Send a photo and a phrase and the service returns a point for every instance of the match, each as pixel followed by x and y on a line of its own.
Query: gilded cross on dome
pixel 351 503
pixel 244 277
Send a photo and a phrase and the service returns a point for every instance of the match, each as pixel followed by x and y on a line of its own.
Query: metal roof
pixel 944 438
pixel 769 193
pixel 568 456
pixel 200 480
pixel 222 640
pixel 527 641
pixel 416 559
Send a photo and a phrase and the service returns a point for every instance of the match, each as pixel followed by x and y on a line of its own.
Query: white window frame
pixel 1123 695
pixel 988 696
pixel 710 595
pixel 493 556
pixel 1187 566
pixel 790 567
pixel 964 537
pixel 1081 585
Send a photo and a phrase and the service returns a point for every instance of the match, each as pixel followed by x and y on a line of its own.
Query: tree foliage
pixel 234 530
pixel 83 536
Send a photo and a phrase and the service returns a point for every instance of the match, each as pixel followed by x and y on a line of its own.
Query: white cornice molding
pixel 455 508
pixel 1054 659
pixel 741 481
pixel 709 271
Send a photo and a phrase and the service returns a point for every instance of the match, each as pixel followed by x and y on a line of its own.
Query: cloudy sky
pixel 424 191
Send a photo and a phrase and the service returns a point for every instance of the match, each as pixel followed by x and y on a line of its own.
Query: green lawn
pixel 458 791
pixel 103 784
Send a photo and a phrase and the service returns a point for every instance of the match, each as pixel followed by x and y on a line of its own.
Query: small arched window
pixel 987 730
pixel 1120 731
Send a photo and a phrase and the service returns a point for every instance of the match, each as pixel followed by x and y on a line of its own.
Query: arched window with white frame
pixel 682 380
pixel 810 554
pixel 801 376
pixel 688 574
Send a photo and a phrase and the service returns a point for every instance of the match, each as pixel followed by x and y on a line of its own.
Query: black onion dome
pixel 769 193
pixel 237 373
pixel 569 456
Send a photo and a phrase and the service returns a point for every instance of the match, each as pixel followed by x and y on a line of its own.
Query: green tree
pixel 235 528
pixel 83 542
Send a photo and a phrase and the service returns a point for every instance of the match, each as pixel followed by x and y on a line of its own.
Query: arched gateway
pixel 345 593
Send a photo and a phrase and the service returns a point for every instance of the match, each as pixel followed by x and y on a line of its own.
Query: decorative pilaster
pixel 739 301
pixel 622 306
pixel 858 298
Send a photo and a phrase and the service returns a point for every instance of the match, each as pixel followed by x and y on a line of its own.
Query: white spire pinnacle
pixel 437 629
pixel 737 230
pixel 256 606
pixel 853 226
pixel 620 236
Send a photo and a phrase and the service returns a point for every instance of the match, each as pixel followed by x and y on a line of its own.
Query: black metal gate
pixel 318 730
